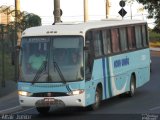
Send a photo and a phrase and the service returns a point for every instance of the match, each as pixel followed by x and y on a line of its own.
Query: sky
pixel 73 10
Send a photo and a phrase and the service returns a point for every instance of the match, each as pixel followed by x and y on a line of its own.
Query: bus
pixel 81 64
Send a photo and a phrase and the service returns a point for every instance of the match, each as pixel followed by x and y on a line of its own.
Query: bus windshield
pixel 51 59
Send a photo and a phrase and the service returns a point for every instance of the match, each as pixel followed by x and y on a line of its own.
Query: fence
pixel 7 49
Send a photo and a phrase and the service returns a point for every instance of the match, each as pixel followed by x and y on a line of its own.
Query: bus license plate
pixel 49 100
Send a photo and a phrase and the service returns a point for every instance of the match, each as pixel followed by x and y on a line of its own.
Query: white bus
pixel 82 64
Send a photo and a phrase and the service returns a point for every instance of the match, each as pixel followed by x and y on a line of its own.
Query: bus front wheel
pixel 98 97
pixel 43 110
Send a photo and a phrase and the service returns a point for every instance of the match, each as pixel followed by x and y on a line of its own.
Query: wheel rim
pixel 132 88
pixel 97 99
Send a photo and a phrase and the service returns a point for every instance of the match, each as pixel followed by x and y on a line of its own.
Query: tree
pixel 29 20
pixel 154 11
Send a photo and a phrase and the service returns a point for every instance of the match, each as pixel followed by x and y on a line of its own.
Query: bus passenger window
pixel 131 37
pixel 144 36
pixel 106 41
pixel 98 49
pixel 138 33
pixel 123 38
pixel 115 40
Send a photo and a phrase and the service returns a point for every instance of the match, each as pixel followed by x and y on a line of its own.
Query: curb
pixel 155 49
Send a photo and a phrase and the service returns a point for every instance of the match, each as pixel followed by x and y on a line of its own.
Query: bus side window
pixel 88 56
pixel 115 40
pixel 123 38
pixel 131 37
pixel 138 34
pixel 97 43
pixel 144 36
pixel 106 41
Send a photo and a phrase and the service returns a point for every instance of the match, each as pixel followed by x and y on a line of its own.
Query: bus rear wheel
pixel 43 110
pixel 132 87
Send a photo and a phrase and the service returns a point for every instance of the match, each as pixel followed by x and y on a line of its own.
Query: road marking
pixel 10 109
pixel 23 110
pixel 155 108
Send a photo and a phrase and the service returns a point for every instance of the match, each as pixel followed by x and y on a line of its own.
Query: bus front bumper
pixel 74 100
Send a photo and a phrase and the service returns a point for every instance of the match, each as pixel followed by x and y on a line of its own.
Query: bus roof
pixel 75 28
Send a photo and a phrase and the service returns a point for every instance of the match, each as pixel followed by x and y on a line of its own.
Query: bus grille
pixel 49 94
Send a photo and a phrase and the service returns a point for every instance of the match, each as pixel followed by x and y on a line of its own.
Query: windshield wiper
pixel 61 75
pixel 39 72
pixel 59 72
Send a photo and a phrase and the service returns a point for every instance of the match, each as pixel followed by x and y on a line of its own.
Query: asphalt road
pixel 145 105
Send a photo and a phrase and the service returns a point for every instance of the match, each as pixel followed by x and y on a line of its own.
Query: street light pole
pixel 130 2
pixel 57 11
pixel 17 12
pixel 107 8
pixel 17 35
pixel 85 10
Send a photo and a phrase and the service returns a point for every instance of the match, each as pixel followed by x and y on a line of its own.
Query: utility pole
pixel 130 2
pixel 17 36
pixel 17 14
pixel 17 10
pixel 57 11
pixel 85 10
pixel 107 8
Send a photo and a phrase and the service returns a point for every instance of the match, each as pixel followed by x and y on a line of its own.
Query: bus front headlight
pixel 24 93
pixel 76 92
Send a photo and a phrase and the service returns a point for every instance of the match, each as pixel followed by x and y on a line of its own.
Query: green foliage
pixel 9 69
pixel 154 11
pixel 34 20
pixel 30 20
pixel 153 36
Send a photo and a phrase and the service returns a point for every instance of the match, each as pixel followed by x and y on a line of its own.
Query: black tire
pixel 132 87
pixel 98 98
pixel 150 68
pixel 43 110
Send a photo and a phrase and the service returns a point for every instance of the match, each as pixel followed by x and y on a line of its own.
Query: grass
pixel 154 39
pixel 153 36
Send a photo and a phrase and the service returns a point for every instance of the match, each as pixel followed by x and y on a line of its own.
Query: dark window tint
pixel 97 42
pixel 131 37
pixel 115 40
pixel 138 34
pixel 144 36
pixel 123 38
pixel 106 41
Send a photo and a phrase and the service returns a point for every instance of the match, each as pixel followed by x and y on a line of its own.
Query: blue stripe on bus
pixel 104 76
pixel 109 79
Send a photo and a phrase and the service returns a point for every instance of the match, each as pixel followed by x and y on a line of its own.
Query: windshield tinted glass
pixel 50 59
